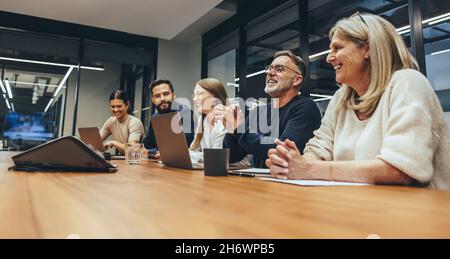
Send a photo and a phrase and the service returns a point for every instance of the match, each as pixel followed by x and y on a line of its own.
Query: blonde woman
pixel 383 126
pixel 209 133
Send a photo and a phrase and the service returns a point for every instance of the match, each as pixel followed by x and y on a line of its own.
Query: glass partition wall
pixel 33 102
pixel 299 25
pixel 436 38
pixel 46 95
pixel 321 19
pixel 33 88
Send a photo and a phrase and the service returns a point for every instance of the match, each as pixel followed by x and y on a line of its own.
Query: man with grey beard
pixel 296 116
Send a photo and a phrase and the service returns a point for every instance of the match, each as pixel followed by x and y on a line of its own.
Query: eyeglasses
pixel 278 69
pixel 359 15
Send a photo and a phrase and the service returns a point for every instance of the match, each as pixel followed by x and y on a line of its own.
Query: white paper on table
pixel 196 157
pixel 254 170
pixel 314 182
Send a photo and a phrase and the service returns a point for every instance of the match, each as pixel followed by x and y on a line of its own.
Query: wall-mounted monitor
pixel 28 126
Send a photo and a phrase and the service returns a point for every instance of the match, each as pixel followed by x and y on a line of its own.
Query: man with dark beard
pixel 163 96
pixel 298 116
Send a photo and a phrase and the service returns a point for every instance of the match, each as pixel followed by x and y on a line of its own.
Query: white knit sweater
pixel 407 130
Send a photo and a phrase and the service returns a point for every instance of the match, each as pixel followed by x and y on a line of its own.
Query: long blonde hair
pixel 388 53
pixel 217 90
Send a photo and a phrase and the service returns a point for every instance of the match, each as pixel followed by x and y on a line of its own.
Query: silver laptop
pixel 91 136
pixel 171 141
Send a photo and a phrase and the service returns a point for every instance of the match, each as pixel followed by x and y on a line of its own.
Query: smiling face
pixel 204 101
pixel 118 108
pixel 350 62
pixel 278 82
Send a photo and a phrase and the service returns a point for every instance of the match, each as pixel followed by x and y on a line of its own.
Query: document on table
pixel 314 182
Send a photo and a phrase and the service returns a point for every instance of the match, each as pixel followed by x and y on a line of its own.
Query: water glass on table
pixel 133 153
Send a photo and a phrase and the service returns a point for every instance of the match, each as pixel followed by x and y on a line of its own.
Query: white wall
pixel 181 64
pixel 93 103
pixel 224 69
pixel 137 99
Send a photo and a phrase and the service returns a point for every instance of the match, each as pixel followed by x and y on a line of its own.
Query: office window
pixel 436 34
pixel 37 103
pixel 222 62
pixel 223 68
pixel 34 79
pixel 276 30
pixel 321 19
pixel 30 112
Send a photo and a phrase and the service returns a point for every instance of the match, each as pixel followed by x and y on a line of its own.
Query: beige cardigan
pixel 407 130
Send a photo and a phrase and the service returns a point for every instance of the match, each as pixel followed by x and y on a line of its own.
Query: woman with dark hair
pixel 123 127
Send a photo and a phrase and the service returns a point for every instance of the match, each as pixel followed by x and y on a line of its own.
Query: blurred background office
pixel 58 59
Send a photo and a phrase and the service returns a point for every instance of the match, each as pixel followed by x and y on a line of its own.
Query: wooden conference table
pixel 152 201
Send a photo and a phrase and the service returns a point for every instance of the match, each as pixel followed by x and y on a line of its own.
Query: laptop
pixel 65 154
pixel 91 136
pixel 172 142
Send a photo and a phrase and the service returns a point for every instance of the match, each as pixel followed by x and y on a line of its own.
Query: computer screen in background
pixel 33 127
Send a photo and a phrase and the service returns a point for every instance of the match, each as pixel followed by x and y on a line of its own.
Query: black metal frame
pixel 304 43
pixel 242 55
pixel 77 88
pixel 64 107
pixel 417 41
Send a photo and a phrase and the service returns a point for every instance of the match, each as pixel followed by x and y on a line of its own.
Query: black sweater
pixel 297 120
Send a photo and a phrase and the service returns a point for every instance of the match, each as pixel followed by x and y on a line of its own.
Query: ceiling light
pixel 26 83
pixel 319 54
pixel 3 87
pixel 440 20
pixel 321 95
pixel 233 85
pixel 50 63
pixel 403 28
pixel 431 21
pixel 403 32
pixel 7 104
pixel 440 52
pixel 63 81
pixel 48 105
pixel 322 99
pixel 436 18
pixel 8 89
pixel 256 73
